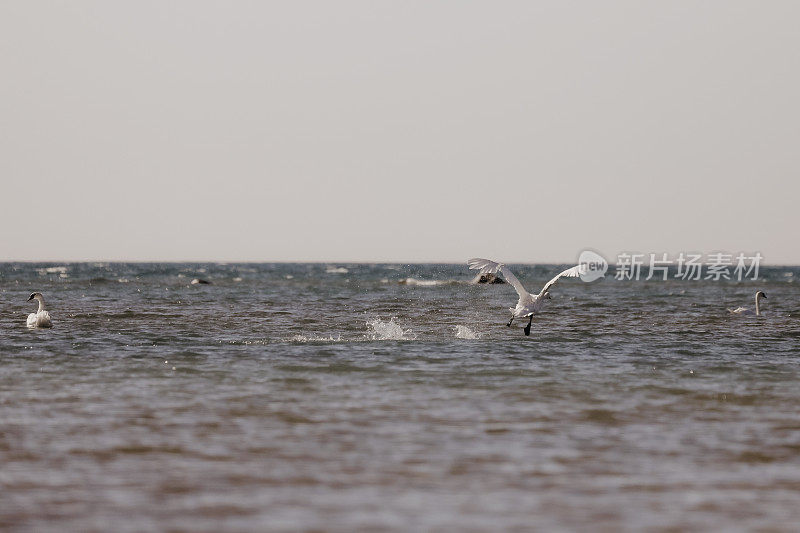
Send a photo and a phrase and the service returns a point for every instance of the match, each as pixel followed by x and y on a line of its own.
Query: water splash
pixel 388 330
pixel 463 332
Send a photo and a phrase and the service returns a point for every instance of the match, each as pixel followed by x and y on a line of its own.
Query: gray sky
pixel 397 131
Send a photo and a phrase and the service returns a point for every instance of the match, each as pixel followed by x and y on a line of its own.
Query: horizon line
pixel 292 261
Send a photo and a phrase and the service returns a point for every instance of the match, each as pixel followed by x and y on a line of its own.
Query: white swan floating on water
pixel 41 318
pixel 745 310
pixel 528 304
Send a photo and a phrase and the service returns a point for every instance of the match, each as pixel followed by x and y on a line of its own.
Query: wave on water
pixel 60 270
pixel 388 330
pixel 302 339
pixel 423 282
pixel 336 270
pixel 252 342
pixel 52 270
pixel 464 332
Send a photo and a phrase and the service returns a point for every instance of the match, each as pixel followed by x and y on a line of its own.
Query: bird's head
pixel 761 294
pixel 34 295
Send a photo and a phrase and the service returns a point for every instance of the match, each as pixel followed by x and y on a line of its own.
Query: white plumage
pixel 745 310
pixel 41 318
pixel 528 304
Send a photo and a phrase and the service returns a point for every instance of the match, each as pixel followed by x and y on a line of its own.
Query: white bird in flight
pixel 41 318
pixel 528 304
pixel 745 310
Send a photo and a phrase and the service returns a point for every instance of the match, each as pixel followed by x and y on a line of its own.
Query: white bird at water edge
pixel 528 304
pixel 745 310
pixel 41 318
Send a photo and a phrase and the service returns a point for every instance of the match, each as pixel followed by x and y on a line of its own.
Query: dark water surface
pixel 335 398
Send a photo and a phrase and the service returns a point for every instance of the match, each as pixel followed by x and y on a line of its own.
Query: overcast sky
pixel 397 131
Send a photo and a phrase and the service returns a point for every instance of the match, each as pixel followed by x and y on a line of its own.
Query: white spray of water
pixel 463 332
pixel 388 331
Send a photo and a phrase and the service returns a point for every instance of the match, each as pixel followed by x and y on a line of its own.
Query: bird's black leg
pixel 527 329
pixel 509 322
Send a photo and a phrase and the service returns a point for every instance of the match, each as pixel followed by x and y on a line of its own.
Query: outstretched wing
pixel 573 272
pixel 490 267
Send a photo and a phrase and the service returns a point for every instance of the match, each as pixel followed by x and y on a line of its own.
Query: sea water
pixel 340 397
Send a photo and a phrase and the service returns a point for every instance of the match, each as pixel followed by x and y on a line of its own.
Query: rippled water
pixel 393 397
